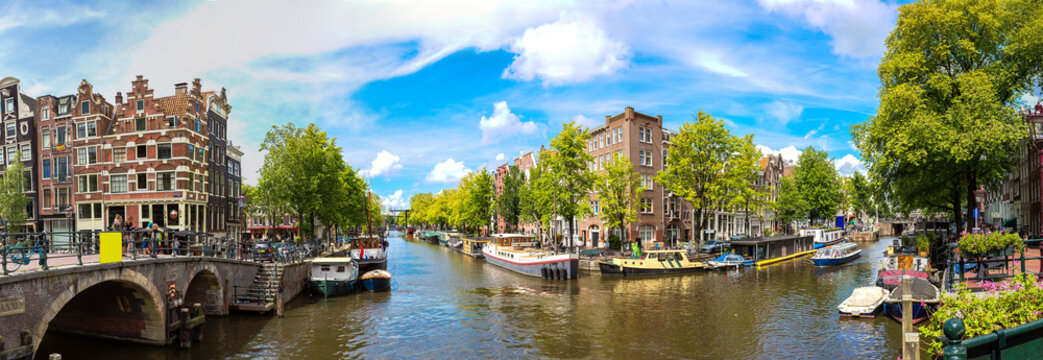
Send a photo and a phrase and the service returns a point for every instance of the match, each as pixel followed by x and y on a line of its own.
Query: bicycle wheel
pixel 15 258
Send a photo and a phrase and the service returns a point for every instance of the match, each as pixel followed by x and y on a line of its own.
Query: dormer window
pixel 63 108
pixel 46 111
pixel 85 107
pixel 8 105
pixel 141 105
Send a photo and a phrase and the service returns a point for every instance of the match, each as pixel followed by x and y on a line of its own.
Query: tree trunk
pixel 747 231
pixel 957 216
pixel 971 200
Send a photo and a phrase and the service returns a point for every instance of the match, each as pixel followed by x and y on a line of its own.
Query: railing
pixel 958 265
pixel 1019 342
pixel 47 249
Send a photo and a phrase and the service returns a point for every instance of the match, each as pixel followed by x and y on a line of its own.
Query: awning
pixel 1011 223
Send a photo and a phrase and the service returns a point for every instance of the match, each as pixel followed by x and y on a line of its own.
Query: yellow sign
pixel 111 247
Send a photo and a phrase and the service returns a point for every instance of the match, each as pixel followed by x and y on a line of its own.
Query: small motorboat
pixel 729 260
pixel 925 296
pixel 455 243
pixel 864 302
pixel 836 254
pixel 376 280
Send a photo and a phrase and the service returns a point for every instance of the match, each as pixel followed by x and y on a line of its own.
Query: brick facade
pixel 18 114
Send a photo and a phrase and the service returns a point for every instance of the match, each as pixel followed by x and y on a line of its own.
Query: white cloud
pixel 810 133
pixel 858 27
pixel 714 63
pixel 394 201
pixel 18 16
pixel 500 156
pixel 449 171
pixel 384 163
pixel 503 123
pixel 784 112
pixel 789 153
pixel 566 51
pixel 585 121
pixel 848 165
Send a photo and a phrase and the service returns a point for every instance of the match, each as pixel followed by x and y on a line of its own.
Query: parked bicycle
pixel 18 255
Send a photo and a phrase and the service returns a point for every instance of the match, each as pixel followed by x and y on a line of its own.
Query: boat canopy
pixel 331 260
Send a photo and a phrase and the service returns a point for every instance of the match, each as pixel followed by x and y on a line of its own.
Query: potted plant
pixel 923 245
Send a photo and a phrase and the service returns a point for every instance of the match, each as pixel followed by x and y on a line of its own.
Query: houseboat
pixel 823 237
pixel 765 251
pixel 519 253
pixel 900 261
pixel 429 237
pixel 866 301
pixel 652 262
pixel 445 237
pixel 332 276
pixel 836 254
pixel 369 252
pixel 925 297
pixel 473 246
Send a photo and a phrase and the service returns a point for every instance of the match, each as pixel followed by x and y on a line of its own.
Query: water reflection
pixel 446 305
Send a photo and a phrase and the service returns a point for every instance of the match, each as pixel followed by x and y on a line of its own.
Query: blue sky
pixel 418 93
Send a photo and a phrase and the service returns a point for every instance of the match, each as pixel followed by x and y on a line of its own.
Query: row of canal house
pixel 162 160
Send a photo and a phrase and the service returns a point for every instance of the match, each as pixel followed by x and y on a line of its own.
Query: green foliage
pixel 817 184
pixel 1008 304
pixel 618 189
pixel 982 244
pixel 789 205
pixel 696 169
pixel 418 205
pixel 570 175
pixel 861 194
pixel 13 201
pixel 923 241
pixel 537 202
pixel 477 191
pixel 614 242
pixel 950 80
pixel 508 202
pixel 742 173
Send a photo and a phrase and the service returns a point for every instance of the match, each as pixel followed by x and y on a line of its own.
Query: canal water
pixel 446 305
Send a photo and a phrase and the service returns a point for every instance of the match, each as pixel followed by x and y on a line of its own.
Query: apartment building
pixel 234 217
pixel 217 170
pixel 55 180
pixel 18 114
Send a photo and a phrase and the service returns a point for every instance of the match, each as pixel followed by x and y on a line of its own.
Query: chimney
pixel 630 112
pixel 660 117
pixel 181 89
pixel 196 86
pixel 119 98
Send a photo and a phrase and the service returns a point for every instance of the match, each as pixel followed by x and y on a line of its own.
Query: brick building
pixel 55 180
pixel 233 219
pixel 91 121
pixel 525 161
pixel 217 170
pixel 18 114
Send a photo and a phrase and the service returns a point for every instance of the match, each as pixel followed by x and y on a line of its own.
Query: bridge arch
pixel 206 287
pixel 117 303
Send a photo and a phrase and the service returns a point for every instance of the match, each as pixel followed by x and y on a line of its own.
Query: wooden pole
pixel 910 337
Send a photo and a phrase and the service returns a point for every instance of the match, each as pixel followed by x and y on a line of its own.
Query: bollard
pixel 55 356
pixel 910 337
pixel 278 304
pixel 953 340
pixel 197 332
pixel 186 333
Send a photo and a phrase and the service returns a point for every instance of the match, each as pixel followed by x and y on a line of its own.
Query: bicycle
pixel 18 255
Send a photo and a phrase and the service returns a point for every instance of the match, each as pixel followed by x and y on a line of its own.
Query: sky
pixel 419 93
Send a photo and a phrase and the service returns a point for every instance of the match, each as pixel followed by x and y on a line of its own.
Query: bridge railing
pixel 46 249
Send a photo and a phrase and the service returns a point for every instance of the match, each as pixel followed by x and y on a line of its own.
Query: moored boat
pixel 836 254
pixel 430 238
pixel 369 252
pixel 518 253
pixel 652 262
pixel 729 260
pixel 823 237
pixel 332 276
pixel 866 301
pixel 473 246
pixel 445 237
pixel 898 262
pixel 376 280
pixel 924 294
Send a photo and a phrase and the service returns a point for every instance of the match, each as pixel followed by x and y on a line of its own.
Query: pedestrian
pixel 117 223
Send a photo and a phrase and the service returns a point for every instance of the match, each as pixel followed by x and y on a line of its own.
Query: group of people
pixel 151 231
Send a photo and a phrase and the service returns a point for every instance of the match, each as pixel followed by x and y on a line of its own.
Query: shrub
pixel 1011 303
pixel 614 242
pixel 981 244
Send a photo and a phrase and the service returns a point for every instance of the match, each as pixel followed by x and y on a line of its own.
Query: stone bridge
pixel 133 300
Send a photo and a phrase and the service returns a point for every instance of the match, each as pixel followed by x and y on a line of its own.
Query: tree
pixel 696 167
pixel 743 171
pixel 508 202
pixel 789 205
pixel 950 79
pixel 13 201
pixel 478 199
pixel 861 201
pixel 816 181
pixel 571 177
pixel 537 203
pixel 418 205
pixel 618 190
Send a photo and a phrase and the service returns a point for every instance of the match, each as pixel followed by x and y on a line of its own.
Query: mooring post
pixel 278 303
pixel 186 332
pixel 197 332
pixel 910 337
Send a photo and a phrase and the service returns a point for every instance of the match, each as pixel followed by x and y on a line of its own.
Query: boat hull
pixel 628 271
pixel 836 261
pixel 608 268
pixel 920 312
pixel 868 313
pixel 366 265
pixel 570 267
pixel 331 287
pixel 377 280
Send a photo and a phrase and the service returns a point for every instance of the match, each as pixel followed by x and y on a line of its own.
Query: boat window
pixel 662 257
pixel 340 269
pixel 325 268
pixel 677 256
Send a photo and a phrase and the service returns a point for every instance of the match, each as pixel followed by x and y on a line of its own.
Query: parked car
pixel 714 246
pixel 262 251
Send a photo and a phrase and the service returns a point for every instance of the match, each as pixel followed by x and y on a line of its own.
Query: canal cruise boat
pixel 836 254
pixel 823 237
pixel 651 262
pixel 518 253
pixel 369 252
pixel 332 276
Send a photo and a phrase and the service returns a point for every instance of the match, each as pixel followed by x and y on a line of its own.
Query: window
pixel 87 183
pixel 81 130
pixel 191 152
pixel 63 198
pixel 46 168
pixel 119 154
pixel 8 105
pixel 646 206
pixel 142 183
pixel 594 206
pixel 92 128
pixel 26 152
pixel 139 124
pixel 165 181
pixel 46 198
pixel 85 107
pixel 9 130
pixel 665 153
pixel 46 110
pixel 646 181
pixel 92 155
pixel 63 107
pixel 84 211
pixel 645 157
pixel 12 154
pixel 118 184
pixel 163 151
pixel 199 154
pixel 46 139
pixel 619 134
pixel 62 137
pixel 63 169
pixel 142 152
pixel 645 134
pixel 141 105
pixel 28 175
pixel 198 124
pixel 199 182
pixel 646 233
pixel 171 120
pixel 144 211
